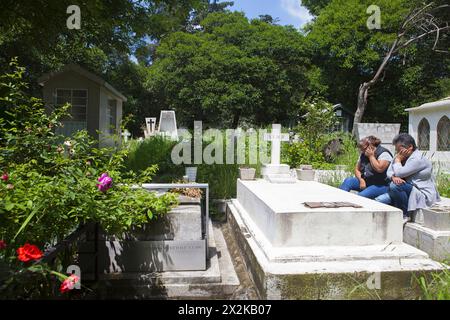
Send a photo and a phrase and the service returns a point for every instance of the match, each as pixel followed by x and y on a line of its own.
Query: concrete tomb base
pixel 166 259
pixel 294 252
pixel 431 233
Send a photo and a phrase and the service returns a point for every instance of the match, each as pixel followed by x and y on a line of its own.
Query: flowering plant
pixel 46 193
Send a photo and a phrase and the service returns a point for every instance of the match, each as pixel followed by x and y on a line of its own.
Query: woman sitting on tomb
pixel 370 173
pixel 412 185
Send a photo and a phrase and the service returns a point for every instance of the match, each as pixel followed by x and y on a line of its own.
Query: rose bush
pixel 50 185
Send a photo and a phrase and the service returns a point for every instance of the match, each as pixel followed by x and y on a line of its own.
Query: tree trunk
pixel 236 118
pixel 361 107
pixel 364 88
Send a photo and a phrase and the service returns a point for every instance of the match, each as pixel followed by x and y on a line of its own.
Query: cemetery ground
pixel 83 222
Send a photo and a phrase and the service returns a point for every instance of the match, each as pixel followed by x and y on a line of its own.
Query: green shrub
pixel 443 184
pixel 49 188
pixel 313 133
pixel 155 150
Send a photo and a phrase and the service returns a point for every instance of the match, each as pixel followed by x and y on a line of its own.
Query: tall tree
pixel 36 31
pixel 422 22
pixel 349 54
pixel 234 70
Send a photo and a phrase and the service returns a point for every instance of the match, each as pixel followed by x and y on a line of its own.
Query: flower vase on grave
pixel 247 173
pixel 191 173
pixel 305 173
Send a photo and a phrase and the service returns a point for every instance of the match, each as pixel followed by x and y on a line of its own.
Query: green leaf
pixel 25 223
pixel 9 206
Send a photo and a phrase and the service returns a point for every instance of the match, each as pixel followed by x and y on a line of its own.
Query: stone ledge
pixel 219 281
pixel 328 280
pixel 435 243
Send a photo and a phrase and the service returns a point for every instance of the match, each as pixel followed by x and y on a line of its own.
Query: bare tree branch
pixel 422 21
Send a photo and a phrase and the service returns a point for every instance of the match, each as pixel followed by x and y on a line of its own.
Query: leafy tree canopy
pixel 234 69
pixel 348 53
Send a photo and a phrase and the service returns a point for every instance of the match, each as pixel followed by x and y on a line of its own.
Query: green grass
pixel 443 184
pixel 435 287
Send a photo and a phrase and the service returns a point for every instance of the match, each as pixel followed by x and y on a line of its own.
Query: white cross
pixel 276 137
pixel 126 134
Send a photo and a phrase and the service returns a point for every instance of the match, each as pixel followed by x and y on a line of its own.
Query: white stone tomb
pixel 283 240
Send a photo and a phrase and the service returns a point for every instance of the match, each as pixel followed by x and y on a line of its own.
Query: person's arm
pixel 380 165
pixel 390 171
pixel 358 171
pixel 358 175
pixel 411 167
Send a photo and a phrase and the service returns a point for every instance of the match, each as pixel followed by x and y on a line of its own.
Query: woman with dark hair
pixel 370 172
pixel 412 185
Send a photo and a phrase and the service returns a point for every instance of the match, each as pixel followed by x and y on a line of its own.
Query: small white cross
pixel 126 134
pixel 276 137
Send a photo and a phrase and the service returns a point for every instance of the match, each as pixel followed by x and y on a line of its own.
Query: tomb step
pixel 434 242
pixel 359 278
pixel 344 253
pixel 219 281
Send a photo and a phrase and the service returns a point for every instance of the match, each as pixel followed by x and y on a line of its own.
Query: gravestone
pixel 169 258
pixel 432 234
pixel 173 242
pixel 126 135
pixel 150 124
pixel 168 124
pixel 296 252
pixel 384 131
pixel 275 172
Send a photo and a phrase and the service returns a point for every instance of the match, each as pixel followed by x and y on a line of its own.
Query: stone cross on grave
pixel 126 134
pixel 276 172
pixel 151 124
pixel 276 137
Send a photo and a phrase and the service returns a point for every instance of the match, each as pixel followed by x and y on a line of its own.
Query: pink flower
pixel 105 182
pixel 9 186
pixel 5 177
pixel 69 283
pixel 2 244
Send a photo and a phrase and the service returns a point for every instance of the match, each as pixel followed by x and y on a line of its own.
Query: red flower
pixel 69 283
pixel 29 252
pixel 5 177
pixel 2 244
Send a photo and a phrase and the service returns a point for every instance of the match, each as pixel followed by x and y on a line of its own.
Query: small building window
pixel 78 99
pixel 443 134
pixel 424 135
pixel 111 111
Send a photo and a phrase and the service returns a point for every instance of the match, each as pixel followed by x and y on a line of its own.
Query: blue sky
pixel 288 11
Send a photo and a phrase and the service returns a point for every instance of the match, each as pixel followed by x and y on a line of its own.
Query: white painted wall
pixel 105 138
pixel 433 114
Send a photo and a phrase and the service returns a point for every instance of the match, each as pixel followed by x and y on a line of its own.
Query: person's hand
pixel 362 184
pixel 370 151
pixel 398 181
pixel 402 155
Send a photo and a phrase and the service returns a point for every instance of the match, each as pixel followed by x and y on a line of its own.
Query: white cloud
pixel 295 9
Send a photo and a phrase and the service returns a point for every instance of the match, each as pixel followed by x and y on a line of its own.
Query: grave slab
pixel 383 131
pixel 294 252
pixel 432 235
pixel 172 242
pixel 279 214
pixel 218 281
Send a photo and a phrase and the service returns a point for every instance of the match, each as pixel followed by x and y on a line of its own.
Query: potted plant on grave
pixel 191 173
pixel 305 172
pixel 247 173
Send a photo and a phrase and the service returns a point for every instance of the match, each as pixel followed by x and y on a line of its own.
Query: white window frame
pixel 71 99
pixel 110 116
